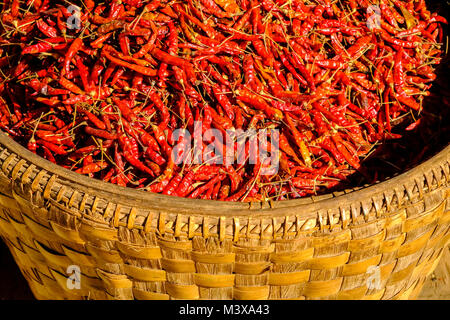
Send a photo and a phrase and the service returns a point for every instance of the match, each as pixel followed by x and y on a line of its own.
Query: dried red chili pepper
pixel 109 95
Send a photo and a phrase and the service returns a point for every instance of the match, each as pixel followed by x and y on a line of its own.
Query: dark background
pixel 13 285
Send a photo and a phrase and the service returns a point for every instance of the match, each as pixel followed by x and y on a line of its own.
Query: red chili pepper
pixel 141 69
pixel 137 71
pixel 173 184
pixel 67 84
pixel 155 156
pixel 130 153
pixel 258 103
pixel 100 133
pixel 49 31
pixel 60 150
pixel 73 50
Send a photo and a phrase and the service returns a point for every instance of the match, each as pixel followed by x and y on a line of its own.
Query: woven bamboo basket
pixel 378 242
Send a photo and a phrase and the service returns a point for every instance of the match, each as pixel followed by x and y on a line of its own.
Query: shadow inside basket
pixel 393 157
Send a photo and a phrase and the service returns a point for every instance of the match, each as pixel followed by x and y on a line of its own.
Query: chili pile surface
pixel 99 87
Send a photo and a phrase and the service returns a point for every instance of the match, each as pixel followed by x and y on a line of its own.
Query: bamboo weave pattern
pixel 132 248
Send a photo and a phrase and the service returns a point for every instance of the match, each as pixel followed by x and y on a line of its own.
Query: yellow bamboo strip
pixel 178 265
pixel 139 251
pixel 66 233
pixel 415 245
pixel 146 295
pixel 285 279
pixel 214 280
pixel 296 256
pixel 328 262
pixel 145 274
pixel 213 257
pixel 251 267
pixel 360 267
pixel 316 289
pixel 182 291
pixel 251 293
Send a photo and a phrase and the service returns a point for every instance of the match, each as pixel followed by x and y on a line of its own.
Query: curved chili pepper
pixel 116 89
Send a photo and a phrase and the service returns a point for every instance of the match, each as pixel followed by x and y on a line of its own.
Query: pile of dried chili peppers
pixel 99 87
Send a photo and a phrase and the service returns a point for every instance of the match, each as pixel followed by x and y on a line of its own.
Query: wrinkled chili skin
pixel 104 99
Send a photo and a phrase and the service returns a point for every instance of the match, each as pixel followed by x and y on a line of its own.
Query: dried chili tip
pixel 413 125
pixel 32 145
pixel 93 167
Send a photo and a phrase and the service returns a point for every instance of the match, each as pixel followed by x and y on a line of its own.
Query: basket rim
pixel 216 208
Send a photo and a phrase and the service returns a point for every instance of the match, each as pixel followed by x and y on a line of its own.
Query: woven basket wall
pixel 134 245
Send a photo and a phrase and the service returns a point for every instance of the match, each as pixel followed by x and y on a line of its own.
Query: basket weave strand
pixel 132 245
